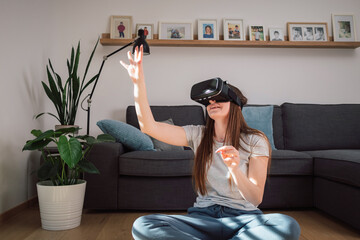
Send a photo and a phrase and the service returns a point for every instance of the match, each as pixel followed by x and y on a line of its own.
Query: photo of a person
pixel 234 29
pixel 208 31
pixel 297 34
pixel 231 161
pixel 148 28
pixel 344 29
pixel 236 32
pixel 146 32
pixel 231 33
pixel 308 33
pixel 257 33
pixel 276 36
pixel 176 33
pixel 121 29
pixel 319 34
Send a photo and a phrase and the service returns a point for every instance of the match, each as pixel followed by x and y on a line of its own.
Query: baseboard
pixel 14 211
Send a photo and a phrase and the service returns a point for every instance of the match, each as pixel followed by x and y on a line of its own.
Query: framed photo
pixel 276 34
pixel 234 29
pixel 257 33
pixel 148 30
pixel 208 29
pixel 317 32
pixel 344 27
pixel 176 31
pixel 121 27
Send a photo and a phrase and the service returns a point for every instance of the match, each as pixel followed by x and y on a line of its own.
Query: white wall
pixel 33 31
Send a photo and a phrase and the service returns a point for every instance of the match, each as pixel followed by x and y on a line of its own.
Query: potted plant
pixel 60 190
pixel 66 95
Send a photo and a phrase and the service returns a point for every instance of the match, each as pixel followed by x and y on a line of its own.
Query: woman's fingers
pixel 130 58
pixel 126 66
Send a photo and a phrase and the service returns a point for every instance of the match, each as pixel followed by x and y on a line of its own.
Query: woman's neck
pixel 220 130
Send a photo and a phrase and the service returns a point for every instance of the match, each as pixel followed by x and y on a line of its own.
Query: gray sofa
pixel 316 164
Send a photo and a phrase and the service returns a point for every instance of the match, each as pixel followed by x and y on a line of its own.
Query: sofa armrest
pixel 101 189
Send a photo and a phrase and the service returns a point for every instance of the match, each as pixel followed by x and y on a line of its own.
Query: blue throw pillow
pixel 126 134
pixel 260 118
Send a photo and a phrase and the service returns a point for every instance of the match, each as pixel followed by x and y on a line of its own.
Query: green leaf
pixel 88 65
pixel 89 82
pixel 48 170
pixel 77 58
pixel 54 90
pixel 36 132
pixel 40 141
pixel 36 145
pixel 105 138
pixel 66 130
pixel 37 116
pixel 70 150
pixel 88 167
pixel 58 78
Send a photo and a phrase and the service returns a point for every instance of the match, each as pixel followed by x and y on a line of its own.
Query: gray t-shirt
pixel 217 185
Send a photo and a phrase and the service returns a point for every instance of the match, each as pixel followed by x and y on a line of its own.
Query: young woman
pixel 230 169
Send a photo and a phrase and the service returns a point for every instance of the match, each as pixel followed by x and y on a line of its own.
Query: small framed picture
pixel 121 27
pixel 234 29
pixel 276 34
pixel 208 29
pixel 308 32
pixel 148 30
pixel 343 27
pixel 257 33
pixel 176 31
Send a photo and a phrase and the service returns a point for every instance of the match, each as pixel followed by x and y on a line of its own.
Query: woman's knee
pixel 288 225
pixel 145 225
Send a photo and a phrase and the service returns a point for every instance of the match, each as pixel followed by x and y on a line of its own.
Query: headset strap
pixel 234 97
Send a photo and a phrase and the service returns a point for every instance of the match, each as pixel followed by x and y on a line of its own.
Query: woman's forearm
pixel 143 111
pixel 249 190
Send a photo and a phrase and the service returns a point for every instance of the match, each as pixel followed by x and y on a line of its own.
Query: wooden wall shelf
pixel 105 40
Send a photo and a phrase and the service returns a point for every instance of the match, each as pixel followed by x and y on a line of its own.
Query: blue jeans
pixel 216 222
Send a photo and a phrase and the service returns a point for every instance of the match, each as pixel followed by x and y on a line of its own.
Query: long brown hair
pixel 235 126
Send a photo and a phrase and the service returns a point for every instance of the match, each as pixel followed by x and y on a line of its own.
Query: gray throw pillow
pixel 161 146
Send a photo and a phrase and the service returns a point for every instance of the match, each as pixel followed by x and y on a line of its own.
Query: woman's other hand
pixel 230 156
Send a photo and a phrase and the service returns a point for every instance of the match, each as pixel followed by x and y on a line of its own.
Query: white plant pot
pixel 60 206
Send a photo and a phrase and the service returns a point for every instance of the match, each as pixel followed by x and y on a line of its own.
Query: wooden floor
pixel 315 225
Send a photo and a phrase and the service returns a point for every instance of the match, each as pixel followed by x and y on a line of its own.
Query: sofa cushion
pixel 287 162
pixel 320 127
pixel 338 165
pixel 181 115
pixel 261 118
pixel 126 134
pixel 156 163
pixel 277 125
pixel 161 146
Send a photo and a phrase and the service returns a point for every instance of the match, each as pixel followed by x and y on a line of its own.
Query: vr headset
pixel 213 89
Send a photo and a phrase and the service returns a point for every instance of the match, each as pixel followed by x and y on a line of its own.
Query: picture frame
pixel 344 29
pixel 208 29
pixel 121 27
pixel 257 33
pixel 308 32
pixel 176 31
pixel 148 30
pixel 276 34
pixel 234 29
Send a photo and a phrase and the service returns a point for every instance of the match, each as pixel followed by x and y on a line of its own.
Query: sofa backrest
pixel 320 127
pixel 181 115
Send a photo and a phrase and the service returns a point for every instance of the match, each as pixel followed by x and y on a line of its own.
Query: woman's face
pixel 218 111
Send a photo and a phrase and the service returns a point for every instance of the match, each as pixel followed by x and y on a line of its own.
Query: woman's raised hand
pixel 135 67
